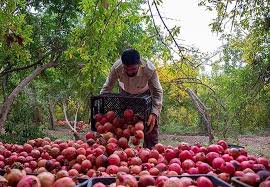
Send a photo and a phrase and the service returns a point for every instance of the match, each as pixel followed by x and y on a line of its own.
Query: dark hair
pixel 130 57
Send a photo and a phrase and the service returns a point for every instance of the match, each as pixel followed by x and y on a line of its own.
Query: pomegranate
pixel 135 141
pixel 128 114
pixel 116 122
pixel 160 148
pixel 169 154
pixel 144 155
pixel 130 152
pixel 154 171
pixel 223 144
pixel 200 157
pixel 101 160
pixel 86 165
pixel 90 135
pixel 29 181
pixel 108 127
pixel 135 170
pixel 193 171
pixel 126 133
pixel 175 167
pixel 263 161
pixel 236 164
pixel 224 176
pixel 161 167
pixel 152 161
pixel 227 157
pixel 144 172
pixel 139 134
pixel 139 126
pixel 114 159
pixel 99 184
pixel 246 164
pixel 91 173
pixel 227 167
pixel 265 184
pixel 28 148
pixel 160 181
pixel 46 179
pixel 186 181
pixel 61 173
pixel 175 160
pixel 204 168
pixel 64 181
pixel 234 152
pixel 238 173
pixel 73 173
pixel 126 180
pixel 217 162
pixel 187 164
pixel 123 142
pixel 111 147
pixel 211 156
pixel 77 167
pixel 146 180
pixel 110 116
pixel 250 178
pixel 100 129
pixel 35 153
pixel 195 149
pixel 69 153
pixel 13 176
pixel 112 169
pixel 173 182
pixel 241 158
pixel 124 169
pixel 204 182
pixel 135 161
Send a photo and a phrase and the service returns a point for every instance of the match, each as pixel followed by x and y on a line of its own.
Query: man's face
pixel 131 70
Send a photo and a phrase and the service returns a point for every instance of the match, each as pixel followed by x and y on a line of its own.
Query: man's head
pixel 131 61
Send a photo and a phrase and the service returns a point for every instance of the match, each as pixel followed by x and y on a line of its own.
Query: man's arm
pixel 157 94
pixel 109 84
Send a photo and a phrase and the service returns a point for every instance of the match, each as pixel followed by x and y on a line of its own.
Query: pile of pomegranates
pixel 108 153
pixel 128 128
pixel 19 178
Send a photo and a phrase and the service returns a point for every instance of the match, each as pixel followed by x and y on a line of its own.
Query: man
pixel 137 76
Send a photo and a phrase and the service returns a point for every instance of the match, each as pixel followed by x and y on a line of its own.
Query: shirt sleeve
pixel 110 82
pixel 156 92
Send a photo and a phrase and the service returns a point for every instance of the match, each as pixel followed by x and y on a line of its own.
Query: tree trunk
pixel 202 111
pixel 5 108
pixel 52 114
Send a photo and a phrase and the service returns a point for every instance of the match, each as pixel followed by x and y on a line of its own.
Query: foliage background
pixel 88 36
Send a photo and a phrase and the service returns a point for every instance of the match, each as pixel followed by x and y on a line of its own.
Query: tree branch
pixel 179 48
pixel 24 67
pixel 66 118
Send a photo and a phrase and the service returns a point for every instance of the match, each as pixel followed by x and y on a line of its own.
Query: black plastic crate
pixel 235 146
pixel 141 105
pixel 82 182
pixel 2 172
pixel 109 180
pixel 237 183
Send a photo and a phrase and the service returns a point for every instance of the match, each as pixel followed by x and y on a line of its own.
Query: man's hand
pixel 151 122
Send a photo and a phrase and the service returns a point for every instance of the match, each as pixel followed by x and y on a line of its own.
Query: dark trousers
pixel 151 139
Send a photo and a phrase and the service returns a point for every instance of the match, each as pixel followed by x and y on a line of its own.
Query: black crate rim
pixel 236 181
pixel 108 180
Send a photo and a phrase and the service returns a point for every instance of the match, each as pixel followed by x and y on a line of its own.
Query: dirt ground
pixel 257 145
